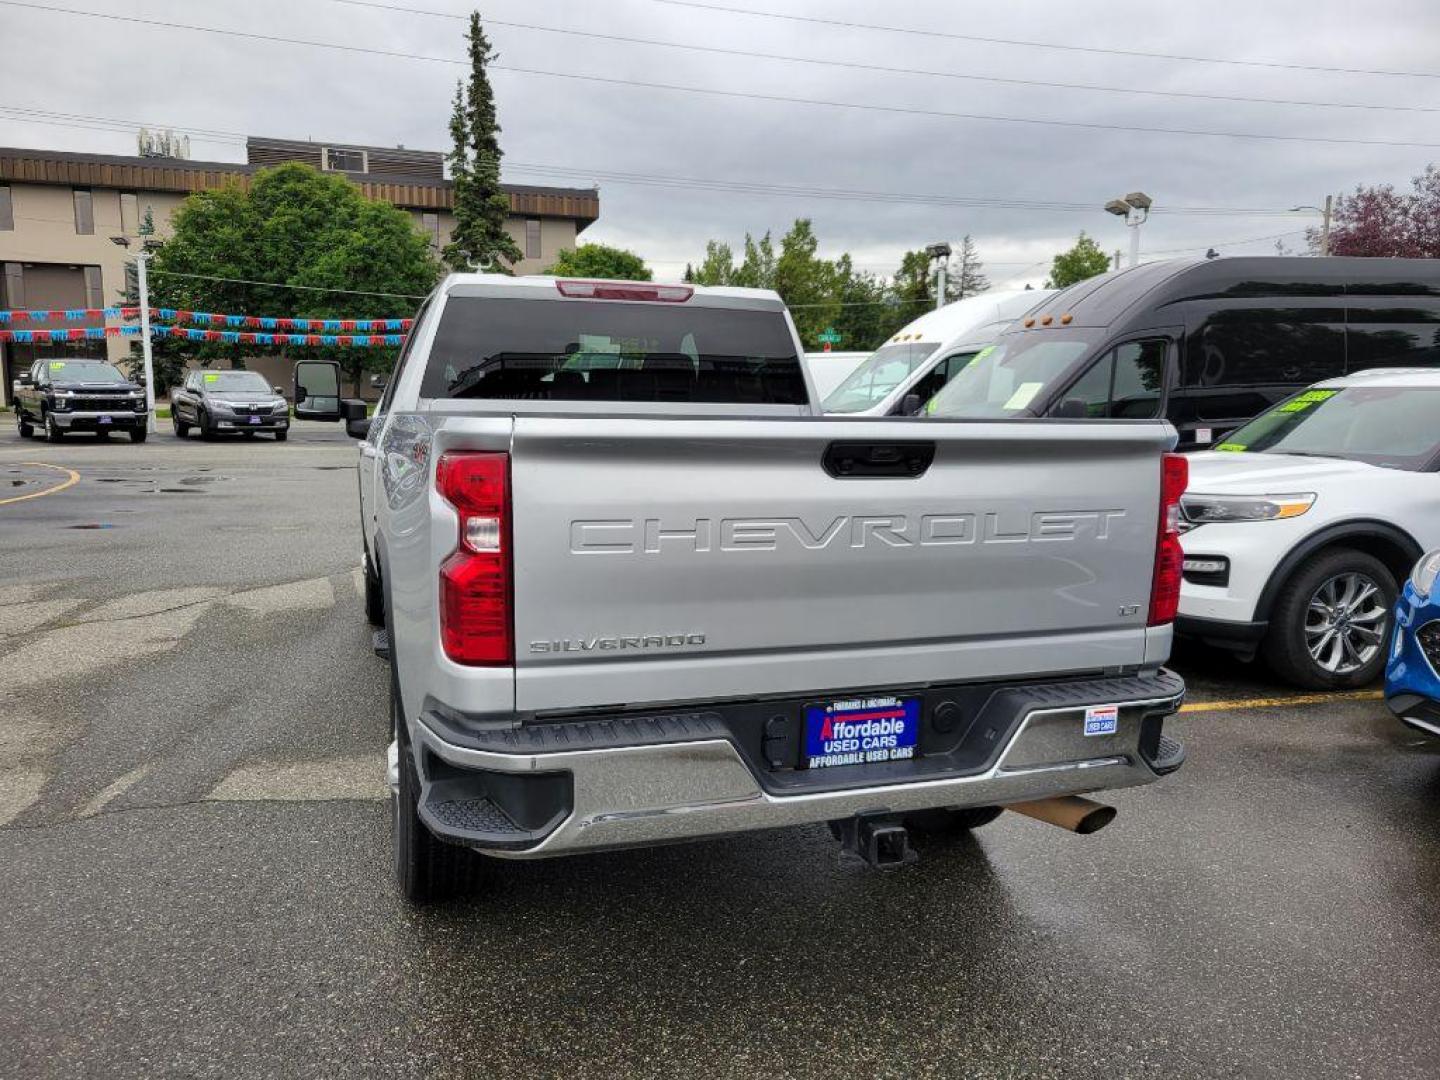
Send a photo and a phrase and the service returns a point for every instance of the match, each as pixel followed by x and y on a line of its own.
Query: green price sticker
pixel 986 351
pixel 212 377
pixel 1024 395
pixel 1233 447
pixel 1307 400
pixel 57 365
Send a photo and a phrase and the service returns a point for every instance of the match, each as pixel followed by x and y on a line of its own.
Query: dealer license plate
pixel 254 419
pixel 861 731
pixel 103 419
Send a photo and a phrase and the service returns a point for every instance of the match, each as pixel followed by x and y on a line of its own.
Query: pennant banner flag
pixel 206 318
pixel 228 337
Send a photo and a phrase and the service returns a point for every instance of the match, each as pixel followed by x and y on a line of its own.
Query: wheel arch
pixel 1392 545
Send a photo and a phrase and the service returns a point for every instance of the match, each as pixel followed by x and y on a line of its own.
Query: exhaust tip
pixel 1072 812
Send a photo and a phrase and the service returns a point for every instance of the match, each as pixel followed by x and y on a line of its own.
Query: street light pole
pixel 1326 213
pixel 940 254
pixel 1135 209
pixel 141 258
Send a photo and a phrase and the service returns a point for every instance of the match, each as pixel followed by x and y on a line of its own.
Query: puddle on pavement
pixel 20 483
pixel 180 491
pixel 331 468
pixel 92 525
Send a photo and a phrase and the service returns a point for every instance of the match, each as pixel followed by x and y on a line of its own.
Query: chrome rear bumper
pixel 639 795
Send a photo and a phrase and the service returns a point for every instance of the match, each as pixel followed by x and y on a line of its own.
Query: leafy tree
pixel 806 283
pixel 326 248
pixel 865 311
pixel 1082 261
pixel 1380 221
pixel 718 267
pixel 913 289
pixel 757 269
pixel 479 238
pixel 600 261
pixel 969 278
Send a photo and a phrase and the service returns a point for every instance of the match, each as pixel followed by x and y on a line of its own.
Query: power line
pixel 741 186
pixel 751 54
pixel 1029 44
pixel 282 285
pixel 733 94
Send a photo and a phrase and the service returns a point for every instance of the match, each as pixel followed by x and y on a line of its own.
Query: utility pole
pixel 141 258
pixel 1325 226
pixel 939 254
pixel 1115 260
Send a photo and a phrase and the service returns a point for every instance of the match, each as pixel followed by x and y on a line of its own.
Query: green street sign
pixel 830 336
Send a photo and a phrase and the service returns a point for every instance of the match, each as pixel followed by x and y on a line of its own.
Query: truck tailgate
pixel 679 560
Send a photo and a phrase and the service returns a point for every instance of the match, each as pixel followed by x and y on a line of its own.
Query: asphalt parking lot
pixel 194 873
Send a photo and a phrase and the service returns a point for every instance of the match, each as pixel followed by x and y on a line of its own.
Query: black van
pixel 1205 343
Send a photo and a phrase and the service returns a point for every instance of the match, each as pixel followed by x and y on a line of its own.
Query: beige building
pixel 60 213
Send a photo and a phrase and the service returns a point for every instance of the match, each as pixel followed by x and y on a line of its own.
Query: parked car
pixel 828 369
pixel 637 590
pixel 1300 525
pixel 1208 344
pixel 1412 676
pixel 909 369
pixel 216 402
pixel 62 396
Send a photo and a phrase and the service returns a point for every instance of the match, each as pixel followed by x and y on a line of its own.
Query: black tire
pixel 23 426
pixel 203 423
pixel 52 430
pixel 281 436
pixel 137 435
pixel 374 597
pixel 1288 642
pixel 182 429
pixel 426 869
pixel 951 821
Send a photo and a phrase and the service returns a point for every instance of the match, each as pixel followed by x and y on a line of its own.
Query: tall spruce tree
pixel 479 239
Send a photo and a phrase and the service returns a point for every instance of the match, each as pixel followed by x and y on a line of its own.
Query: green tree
pixel 1082 261
pixel 479 238
pixel 324 250
pixel 806 283
pixel 757 269
pixel 600 261
pixel 969 278
pixel 865 310
pixel 718 267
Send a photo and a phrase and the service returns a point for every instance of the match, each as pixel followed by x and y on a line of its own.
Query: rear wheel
pixel 1331 621
pixel 950 821
pixel 426 869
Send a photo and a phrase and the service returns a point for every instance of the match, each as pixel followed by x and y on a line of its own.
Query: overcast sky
pixel 91 67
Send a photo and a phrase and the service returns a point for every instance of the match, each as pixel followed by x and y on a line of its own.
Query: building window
pixel 84 213
pixel 430 225
pixel 13 293
pixel 345 160
pixel 7 209
pixel 129 213
pixel 94 294
pixel 532 238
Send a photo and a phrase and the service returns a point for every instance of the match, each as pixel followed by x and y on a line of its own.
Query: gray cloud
pixel 93 67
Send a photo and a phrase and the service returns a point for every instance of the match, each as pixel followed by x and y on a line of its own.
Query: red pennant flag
pixel 184 316
pixel 347 324
pixel 312 339
pixel 212 335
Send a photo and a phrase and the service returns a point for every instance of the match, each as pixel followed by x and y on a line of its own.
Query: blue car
pixel 1412 676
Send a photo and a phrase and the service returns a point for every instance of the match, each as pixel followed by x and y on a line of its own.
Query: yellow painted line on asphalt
pixel 73 478
pixel 1281 702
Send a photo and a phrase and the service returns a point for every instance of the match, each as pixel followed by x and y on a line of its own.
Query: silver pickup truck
pixel 635 590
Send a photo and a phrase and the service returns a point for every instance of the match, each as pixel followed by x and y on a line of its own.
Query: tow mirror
pixel 910 405
pixel 357 424
pixel 317 390
pixel 279 390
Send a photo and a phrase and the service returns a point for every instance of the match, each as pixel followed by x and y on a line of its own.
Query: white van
pixel 907 371
pixel 828 369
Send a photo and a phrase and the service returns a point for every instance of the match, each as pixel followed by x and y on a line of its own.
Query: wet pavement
pixel 194 856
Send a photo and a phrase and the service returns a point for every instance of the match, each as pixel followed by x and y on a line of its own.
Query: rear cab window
pixel 561 349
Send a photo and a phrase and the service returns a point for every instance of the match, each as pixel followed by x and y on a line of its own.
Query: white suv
pixel 1299 525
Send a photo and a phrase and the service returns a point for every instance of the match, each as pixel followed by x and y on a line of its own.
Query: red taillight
pixel 1169 557
pixel 625 290
pixel 475 622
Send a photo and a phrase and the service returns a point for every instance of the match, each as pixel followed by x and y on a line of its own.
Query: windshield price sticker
pixel 1024 395
pixel 1102 719
pixel 1307 400
pixel 57 365
pixel 861 731
pixel 212 377
pixel 1232 447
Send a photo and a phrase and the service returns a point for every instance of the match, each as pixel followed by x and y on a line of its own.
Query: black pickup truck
pixel 229 401
pixel 62 396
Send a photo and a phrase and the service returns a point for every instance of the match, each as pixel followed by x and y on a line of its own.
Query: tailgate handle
pixel 854 460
